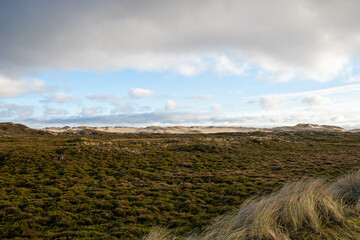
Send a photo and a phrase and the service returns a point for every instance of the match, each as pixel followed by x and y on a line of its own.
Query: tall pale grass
pixel 304 209
pixel 160 234
pixel 347 189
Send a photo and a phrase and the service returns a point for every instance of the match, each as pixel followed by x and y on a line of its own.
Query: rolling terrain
pixel 105 185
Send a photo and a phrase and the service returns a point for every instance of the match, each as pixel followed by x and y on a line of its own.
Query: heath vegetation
pixel 111 186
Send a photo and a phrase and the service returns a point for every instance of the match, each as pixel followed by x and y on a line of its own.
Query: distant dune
pixel 199 129
pixel 12 129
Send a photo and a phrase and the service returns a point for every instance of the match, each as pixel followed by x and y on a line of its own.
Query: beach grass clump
pixel 347 188
pixel 303 209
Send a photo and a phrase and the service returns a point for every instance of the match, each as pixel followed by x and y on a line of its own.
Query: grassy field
pixel 108 186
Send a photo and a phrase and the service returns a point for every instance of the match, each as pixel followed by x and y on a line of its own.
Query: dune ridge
pixel 199 129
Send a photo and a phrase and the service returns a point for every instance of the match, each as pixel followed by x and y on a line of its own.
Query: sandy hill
pixel 307 127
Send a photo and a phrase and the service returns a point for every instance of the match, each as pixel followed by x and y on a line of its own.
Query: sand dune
pixel 200 129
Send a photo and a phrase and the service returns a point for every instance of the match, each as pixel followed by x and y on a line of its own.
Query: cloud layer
pixel 287 39
pixel 348 119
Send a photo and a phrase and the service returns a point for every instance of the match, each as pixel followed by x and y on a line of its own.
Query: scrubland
pixel 112 186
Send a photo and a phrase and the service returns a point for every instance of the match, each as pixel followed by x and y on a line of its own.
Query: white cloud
pixel 338 118
pixel 226 66
pixel 122 107
pixel 172 105
pixel 141 93
pixel 272 101
pixel 59 97
pixel 350 91
pixel 14 111
pixel 55 111
pixel 190 70
pixel 216 106
pixel 276 76
pixel 315 100
pixel 13 88
pixel 90 111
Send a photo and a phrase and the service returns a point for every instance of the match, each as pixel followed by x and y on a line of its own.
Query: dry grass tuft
pixel 160 234
pixel 305 209
pixel 347 188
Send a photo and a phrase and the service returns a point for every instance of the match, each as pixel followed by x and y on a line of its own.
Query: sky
pixel 255 63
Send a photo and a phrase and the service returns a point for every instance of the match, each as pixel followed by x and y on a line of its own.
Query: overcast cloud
pixel 287 38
